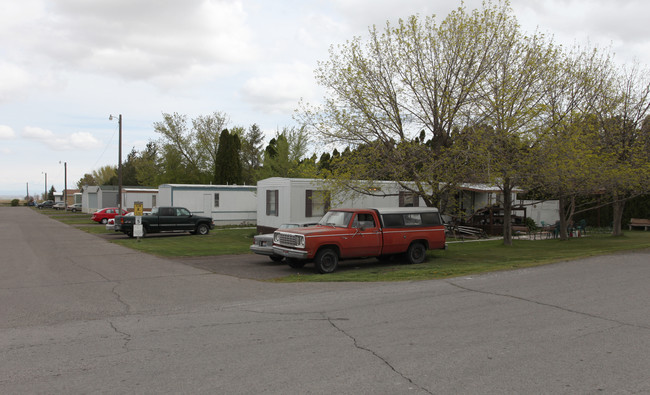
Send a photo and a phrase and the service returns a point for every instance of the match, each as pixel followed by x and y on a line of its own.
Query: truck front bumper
pixel 262 250
pixel 289 252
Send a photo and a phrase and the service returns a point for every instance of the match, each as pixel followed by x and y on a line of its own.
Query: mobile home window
pixel 216 200
pixel 408 199
pixel 272 202
pixel 153 201
pixel 316 203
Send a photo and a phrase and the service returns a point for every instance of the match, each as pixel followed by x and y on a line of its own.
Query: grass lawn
pixel 217 242
pixel 467 258
pixel 461 258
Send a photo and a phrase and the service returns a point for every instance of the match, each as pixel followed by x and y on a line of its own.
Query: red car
pixel 105 214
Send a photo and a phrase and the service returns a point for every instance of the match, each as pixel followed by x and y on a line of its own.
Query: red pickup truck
pixel 357 233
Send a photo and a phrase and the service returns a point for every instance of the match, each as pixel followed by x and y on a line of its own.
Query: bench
pixel 639 223
pixel 519 230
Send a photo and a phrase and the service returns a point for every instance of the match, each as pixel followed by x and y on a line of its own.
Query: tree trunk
pixel 567 209
pixel 618 206
pixel 507 213
pixel 563 222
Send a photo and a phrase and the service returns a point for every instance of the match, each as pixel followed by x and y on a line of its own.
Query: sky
pixel 67 65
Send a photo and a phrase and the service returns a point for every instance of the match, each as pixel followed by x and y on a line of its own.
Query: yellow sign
pixel 137 209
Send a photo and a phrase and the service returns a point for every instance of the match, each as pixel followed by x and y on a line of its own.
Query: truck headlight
pixel 300 241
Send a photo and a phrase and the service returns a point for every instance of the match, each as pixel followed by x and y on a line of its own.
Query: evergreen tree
pixel 251 153
pixel 228 168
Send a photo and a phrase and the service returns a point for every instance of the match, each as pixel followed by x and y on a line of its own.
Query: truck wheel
pixel 202 229
pixel 295 263
pixel 276 258
pixel 326 261
pixel 416 253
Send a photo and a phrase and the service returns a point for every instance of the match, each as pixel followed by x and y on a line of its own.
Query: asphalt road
pixel 81 315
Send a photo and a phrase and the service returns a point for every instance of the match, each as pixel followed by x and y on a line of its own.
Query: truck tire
pixel 326 261
pixel 202 229
pixel 416 253
pixel 295 263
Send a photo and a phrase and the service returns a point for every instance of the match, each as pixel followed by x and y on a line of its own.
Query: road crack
pixel 382 359
pixel 119 298
pixel 126 337
pixel 566 309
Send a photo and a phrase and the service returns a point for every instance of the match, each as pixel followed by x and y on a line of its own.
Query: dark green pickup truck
pixel 166 219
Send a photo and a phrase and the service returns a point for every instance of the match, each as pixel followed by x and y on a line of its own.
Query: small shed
pixel 297 200
pixel 226 204
pixel 96 197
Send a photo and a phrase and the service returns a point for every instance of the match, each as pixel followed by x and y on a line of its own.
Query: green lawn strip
pixel 217 242
pixel 479 257
pixel 95 228
pixel 75 220
pixel 67 217
pixel 462 258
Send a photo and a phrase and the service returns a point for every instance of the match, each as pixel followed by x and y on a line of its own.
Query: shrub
pixel 531 224
pixel 14 202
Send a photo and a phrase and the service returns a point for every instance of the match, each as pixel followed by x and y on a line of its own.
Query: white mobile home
pixel 226 204
pixel 148 197
pixel 295 200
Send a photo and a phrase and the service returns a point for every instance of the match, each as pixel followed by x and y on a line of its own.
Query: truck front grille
pixel 289 240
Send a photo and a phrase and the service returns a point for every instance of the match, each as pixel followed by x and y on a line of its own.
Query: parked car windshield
pixel 336 218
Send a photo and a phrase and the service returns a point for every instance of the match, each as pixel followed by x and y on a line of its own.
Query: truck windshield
pixel 336 218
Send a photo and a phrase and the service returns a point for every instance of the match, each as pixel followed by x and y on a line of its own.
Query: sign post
pixel 137 227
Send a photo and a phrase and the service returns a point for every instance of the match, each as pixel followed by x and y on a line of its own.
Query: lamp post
pixel 45 195
pixel 65 185
pixel 119 164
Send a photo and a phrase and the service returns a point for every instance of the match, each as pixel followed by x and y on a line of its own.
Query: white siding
pixel 292 199
pixel 237 204
pixel 548 211
pixel 132 195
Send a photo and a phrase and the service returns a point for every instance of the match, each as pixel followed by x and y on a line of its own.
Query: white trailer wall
pixel 89 199
pixel 147 196
pixel 548 211
pixel 226 204
pixel 292 200
pixel 98 197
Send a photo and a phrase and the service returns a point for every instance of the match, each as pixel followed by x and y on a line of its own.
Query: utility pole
pixel 119 164
pixel 45 194
pixel 65 186
pixel 119 171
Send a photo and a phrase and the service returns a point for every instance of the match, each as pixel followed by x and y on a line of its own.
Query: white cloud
pixel 74 141
pixel 83 140
pixel 141 40
pixel 280 88
pixel 35 133
pixel 6 132
pixel 13 81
